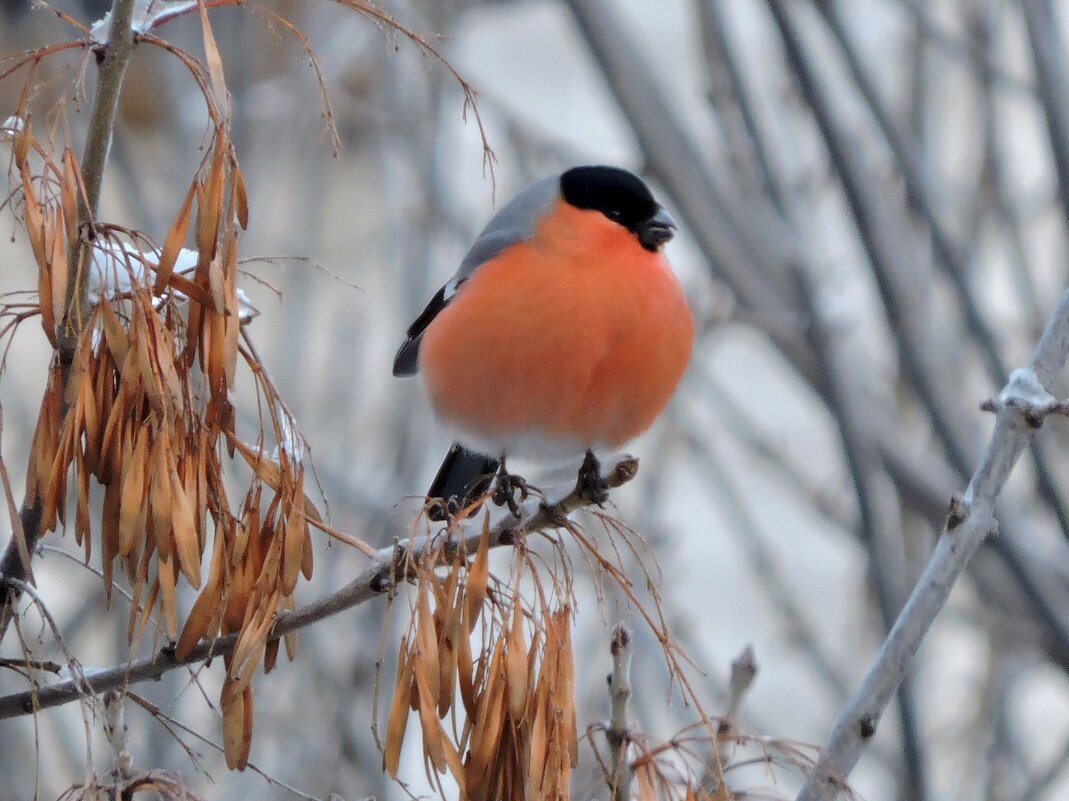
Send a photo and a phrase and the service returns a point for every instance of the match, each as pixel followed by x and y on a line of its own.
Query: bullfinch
pixel 563 332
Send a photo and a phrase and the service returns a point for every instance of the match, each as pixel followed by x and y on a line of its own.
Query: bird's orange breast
pixel 578 335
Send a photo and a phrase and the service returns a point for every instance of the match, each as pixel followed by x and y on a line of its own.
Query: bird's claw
pixel 506 487
pixel 590 485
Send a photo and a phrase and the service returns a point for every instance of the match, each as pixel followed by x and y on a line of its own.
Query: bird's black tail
pixel 463 477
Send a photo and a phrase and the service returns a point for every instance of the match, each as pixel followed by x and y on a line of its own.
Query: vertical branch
pixel 618 732
pixel 112 66
pixel 117 735
pixel 743 673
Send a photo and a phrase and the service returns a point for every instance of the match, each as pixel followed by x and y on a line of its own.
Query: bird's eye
pixel 615 214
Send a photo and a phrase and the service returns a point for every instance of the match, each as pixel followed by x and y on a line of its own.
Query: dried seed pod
pixel 131 503
pixel 397 717
pixel 172 244
pixel 465 664
pixel 516 664
pixel 478 575
pixel 237 730
pixel 203 618
pixel 184 532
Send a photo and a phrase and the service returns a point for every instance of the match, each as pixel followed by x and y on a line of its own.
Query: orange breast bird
pixel 564 332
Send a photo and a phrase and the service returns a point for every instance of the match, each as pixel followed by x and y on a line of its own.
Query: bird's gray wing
pixel 514 223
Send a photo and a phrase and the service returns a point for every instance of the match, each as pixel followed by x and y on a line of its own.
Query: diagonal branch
pixel 388 566
pixel 970 522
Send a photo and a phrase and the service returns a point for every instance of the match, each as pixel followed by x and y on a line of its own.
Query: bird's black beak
pixel 657 230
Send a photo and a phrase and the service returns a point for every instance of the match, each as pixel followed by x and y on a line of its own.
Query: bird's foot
pixel 440 510
pixel 591 485
pixel 507 487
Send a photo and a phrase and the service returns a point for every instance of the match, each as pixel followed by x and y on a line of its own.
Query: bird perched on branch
pixel 563 332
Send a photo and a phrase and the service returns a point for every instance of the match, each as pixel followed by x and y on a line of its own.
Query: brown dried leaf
pixel 241 196
pixel 426 641
pixel 22 144
pixel 205 610
pixel 264 468
pixel 33 217
pixel 306 553
pixel 114 333
pixel 83 532
pixel 159 497
pixel 516 664
pixel 486 737
pixel 163 359
pixel 478 575
pixel 165 574
pixel 216 285
pixel 109 533
pixel 237 730
pixel 133 494
pixel 201 298
pixel 397 717
pixel 249 650
pixel 184 531
pixel 433 736
pixel 296 532
pixel 209 208
pixel 465 665
pixel 58 264
pixel 450 631
pixel 68 192
pixel 172 244
pixel 54 491
pixel 92 416
pixel 538 749
pixel 215 355
pixel 644 779
pixel 198 479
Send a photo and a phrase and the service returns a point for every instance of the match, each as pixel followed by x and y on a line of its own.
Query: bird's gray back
pixel 514 223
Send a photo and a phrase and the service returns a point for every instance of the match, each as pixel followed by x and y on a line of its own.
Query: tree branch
pixel 387 568
pixel 618 732
pixel 969 523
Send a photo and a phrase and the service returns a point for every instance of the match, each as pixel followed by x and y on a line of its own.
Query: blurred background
pixel 874 198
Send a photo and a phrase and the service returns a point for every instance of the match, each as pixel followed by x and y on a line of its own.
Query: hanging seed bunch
pixel 143 411
pixel 470 640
